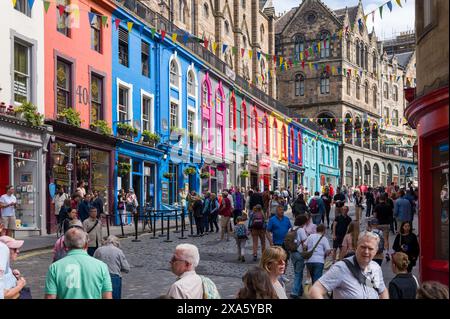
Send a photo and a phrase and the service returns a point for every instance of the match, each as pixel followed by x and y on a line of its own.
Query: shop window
pixel 174 73
pixel 63 19
pixel 123 47
pixel 173 115
pixel 96 32
pixel 440 195
pixel 147 114
pixel 22 79
pixel 100 174
pixel 191 83
pixel 63 85
pixel 96 98
pixel 83 166
pixel 145 58
pixel 173 183
pixel 22 6
pixel 219 138
pixel 124 173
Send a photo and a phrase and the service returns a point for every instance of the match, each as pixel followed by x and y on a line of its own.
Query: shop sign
pixel 69 167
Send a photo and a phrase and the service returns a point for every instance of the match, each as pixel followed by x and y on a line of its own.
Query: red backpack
pixel 314 206
pixel 258 220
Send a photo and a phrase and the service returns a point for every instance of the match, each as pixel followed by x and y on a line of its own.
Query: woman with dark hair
pixel 406 242
pixel 300 207
pixel 257 285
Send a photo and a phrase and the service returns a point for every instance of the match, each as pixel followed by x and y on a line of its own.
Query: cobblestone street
pixel 150 275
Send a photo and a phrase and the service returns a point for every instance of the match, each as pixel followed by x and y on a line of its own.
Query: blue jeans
pixel 116 282
pixel 317 219
pixel 315 270
pixel 299 264
pixel 91 251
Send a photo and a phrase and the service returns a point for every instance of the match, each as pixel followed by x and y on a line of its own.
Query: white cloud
pixel 400 19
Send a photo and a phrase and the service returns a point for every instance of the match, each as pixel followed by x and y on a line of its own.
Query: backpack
pixel 240 231
pixel 209 289
pixel 258 221
pixel 314 206
pixel 290 240
pixel 381 243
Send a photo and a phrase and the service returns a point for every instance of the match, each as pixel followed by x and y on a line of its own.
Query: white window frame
pixel 151 115
pixel 174 57
pixel 128 86
pixel 29 75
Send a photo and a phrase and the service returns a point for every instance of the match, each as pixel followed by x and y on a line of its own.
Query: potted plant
pixel 124 168
pixel 168 175
pixel 101 127
pixel 150 138
pixel 28 112
pixel 245 174
pixel 205 175
pixel 190 171
pixel 180 132
pixel 71 115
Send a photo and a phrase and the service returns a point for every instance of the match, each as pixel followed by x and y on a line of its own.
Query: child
pixel 241 235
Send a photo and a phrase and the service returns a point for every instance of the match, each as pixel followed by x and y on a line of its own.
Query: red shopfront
pixel 429 115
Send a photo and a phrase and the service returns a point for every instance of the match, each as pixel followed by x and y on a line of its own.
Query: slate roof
pixel 284 20
pixel 403 58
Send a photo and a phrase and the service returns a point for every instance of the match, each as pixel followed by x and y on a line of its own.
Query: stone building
pixel 344 90
pixel 231 28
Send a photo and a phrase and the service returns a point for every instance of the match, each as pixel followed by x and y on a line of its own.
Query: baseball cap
pixel 11 242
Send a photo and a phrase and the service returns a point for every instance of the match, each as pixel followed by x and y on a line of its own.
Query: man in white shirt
pixel 183 263
pixel 8 204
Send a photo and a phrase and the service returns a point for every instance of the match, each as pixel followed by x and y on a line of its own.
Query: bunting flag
pixel 130 26
pixel 234 50
pixel 14 2
pixel 163 35
pixel 185 38
pixel 242 52
pixel 205 41
pixel 91 17
pixel 389 4
pixel 340 34
pixel 31 4
pixel 381 12
pixel 275 59
pixel 316 67
pixel 310 66
pixel 104 20
pixel 46 6
pixel 116 22
pixel 259 55
pixel 250 54
pixel 303 65
pixel 318 47
pixel 214 46
pixel 224 48
pixel 281 60
pixel 310 51
pixel 301 56
pixel 153 30
pixel 62 9
pixel 365 19
pixel 267 57
pixel 399 3
pixel 306 54
pixel 174 37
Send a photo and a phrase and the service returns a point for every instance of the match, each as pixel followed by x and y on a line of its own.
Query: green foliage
pixel 205 175
pixel 245 174
pixel 190 171
pixel 102 126
pixel 72 116
pixel 124 168
pixel 30 114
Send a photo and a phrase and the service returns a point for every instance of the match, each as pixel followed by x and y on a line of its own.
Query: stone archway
pixel 349 171
pixel 389 175
pixel 367 174
pixel 348 127
pixel 376 175
pixel 358 173
pixel 327 120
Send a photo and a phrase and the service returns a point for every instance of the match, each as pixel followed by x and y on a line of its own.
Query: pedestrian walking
pixel 189 285
pixel 257 285
pixel 319 248
pixel 404 285
pixel 206 212
pixel 225 217
pixel 370 201
pixel 197 208
pixel 356 277
pixel 277 227
pixel 358 205
pixel 63 213
pixel 383 212
pixel 8 205
pixel 78 275
pixel 327 199
pixel 257 226
pixel 97 202
pixel 111 254
pixel 273 261
pixel 241 235
pixel 299 207
pixel 316 208
pixel 238 200
pixel 310 227
pixel 81 189
pixel 58 201
pixel 273 204
pixel 84 207
pixel 372 225
pixel 350 240
pixel 93 228
pixel 121 205
pixel 406 242
pixel 214 213
pixel 14 284
pixel 132 205
pixel 70 220
pixel 340 226
pixel 402 209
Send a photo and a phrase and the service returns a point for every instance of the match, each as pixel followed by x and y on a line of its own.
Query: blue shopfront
pixel 328 163
pixel 309 150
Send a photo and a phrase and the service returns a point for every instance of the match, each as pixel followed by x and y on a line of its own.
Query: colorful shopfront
pixel 328 164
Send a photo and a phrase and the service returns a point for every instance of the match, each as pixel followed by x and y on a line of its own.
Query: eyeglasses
pixel 174 260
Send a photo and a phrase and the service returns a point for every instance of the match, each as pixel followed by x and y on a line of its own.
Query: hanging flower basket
pixel 205 175
pixel 245 174
pixel 168 175
pixel 190 171
pixel 124 169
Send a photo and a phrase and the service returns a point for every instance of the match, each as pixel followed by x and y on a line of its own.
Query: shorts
pixel 337 243
pixel 9 222
pixel 385 229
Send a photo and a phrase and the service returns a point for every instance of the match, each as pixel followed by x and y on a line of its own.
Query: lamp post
pixel 69 166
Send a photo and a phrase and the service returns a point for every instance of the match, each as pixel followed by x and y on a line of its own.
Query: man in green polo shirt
pixel 78 275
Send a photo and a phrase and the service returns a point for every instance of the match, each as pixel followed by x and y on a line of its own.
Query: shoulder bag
pixel 308 254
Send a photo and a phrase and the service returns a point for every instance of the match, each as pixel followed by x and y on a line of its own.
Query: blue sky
pixel 400 19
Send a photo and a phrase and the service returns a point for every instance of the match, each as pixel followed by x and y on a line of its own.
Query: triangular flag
pixel 206 42
pixel 301 56
pixel 399 3
pixel 130 26
pixel 224 48
pixel 116 22
pixel 62 8
pixel 14 2
pixel 303 65
pixel 174 37
pixel 234 50
pixel 281 60
pixel 340 34
pixel 185 37
pixel 306 54
pixel 310 66
pixel 259 55
pixel 153 30
pixel 275 59
pixel 365 18
pixel 31 3
pixel 46 6
pixel 214 46
pixel 91 17
pixel 316 67
pixel 250 53
pixel 267 57
pixel 141 29
pixel 163 35
pixel 381 12
pixel 104 20
pixel 389 4
pixel 242 52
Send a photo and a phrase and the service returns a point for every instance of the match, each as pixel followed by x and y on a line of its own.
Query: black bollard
pixel 190 222
pixel 183 225
pixel 176 231
pixel 168 232
pixel 136 220
pixel 162 225
pixel 107 223
pixel 121 225
pixel 153 214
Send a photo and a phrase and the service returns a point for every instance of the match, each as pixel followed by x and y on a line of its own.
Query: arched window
pixel 205 10
pixel 374 62
pixel 324 44
pixel 292 150
pixel 182 7
pixel 375 93
pixel 349 85
pixel 386 90
pixel 357 52
pixel 262 32
pixel 244 121
pixel 325 83
pixel 395 93
pixel 332 157
pixel 322 154
pixel 299 45
pixel 191 83
pixel 174 75
pixel 255 128
pixel 375 137
pixel 348 129
pixel 366 135
pixel 327 155
pixel 283 141
pixel 233 114
pixel 349 46
pixel 299 148
pixel 358 88
pixel 220 101
pixel 358 130
pixel 299 85
pixel 275 137
pixel 205 95
pixel 349 172
pixel 366 92
pixel 266 135
pixel 366 58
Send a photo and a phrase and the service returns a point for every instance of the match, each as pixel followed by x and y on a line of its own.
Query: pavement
pixel 150 275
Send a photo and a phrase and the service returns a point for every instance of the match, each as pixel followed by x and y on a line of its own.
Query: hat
pixel 11 242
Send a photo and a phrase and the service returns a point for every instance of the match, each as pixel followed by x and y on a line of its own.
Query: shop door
pixel 4 172
pixel 137 190
pixel 254 180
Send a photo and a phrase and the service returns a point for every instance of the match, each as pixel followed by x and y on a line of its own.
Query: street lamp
pixel 69 166
pixel 58 157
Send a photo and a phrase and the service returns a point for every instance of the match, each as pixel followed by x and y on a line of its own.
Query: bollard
pixel 183 225
pixel 121 225
pixel 176 231
pixel 154 225
pixel 107 223
pixel 136 220
pixel 168 232
pixel 190 222
pixel 162 225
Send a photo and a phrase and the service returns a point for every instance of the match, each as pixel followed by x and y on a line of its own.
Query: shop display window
pixel 100 175
pixel 25 182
